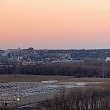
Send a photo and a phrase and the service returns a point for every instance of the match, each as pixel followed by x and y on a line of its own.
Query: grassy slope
pixel 36 78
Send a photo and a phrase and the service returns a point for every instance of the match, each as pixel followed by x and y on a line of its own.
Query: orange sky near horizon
pixel 54 24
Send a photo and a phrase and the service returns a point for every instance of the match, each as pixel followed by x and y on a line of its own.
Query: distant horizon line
pixel 58 49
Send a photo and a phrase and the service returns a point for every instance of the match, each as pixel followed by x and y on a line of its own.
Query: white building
pixel 107 59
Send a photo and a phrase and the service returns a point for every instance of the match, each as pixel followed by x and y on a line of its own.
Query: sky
pixel 55 24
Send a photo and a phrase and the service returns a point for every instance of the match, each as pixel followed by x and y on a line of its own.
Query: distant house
pixel 107 59
pixel 49 82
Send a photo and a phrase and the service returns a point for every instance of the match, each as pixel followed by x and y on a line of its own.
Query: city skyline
pixel 57 24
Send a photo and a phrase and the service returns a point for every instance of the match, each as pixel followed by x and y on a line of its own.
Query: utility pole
pixel 103 72
pixel 17 71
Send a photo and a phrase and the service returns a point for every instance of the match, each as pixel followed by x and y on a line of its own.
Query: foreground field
pixel 37 78
pixel 28 89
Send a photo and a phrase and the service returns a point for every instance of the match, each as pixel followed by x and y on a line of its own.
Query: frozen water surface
pixel 30 88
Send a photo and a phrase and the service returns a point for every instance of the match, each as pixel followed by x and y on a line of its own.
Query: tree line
pixel 85 69
pixel 81 99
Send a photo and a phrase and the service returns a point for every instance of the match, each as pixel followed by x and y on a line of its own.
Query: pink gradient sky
pixel 55 24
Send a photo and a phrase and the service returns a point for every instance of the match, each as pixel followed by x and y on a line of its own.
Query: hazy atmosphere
pixel 54 24
pixel 54 54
